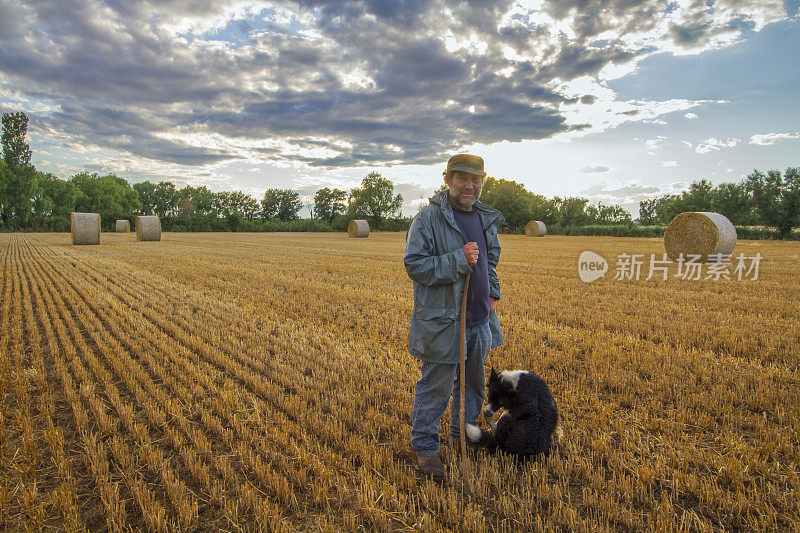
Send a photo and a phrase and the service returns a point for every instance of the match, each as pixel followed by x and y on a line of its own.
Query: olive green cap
pixel 471 164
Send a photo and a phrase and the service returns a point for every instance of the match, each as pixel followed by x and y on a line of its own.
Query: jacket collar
pixel 488 215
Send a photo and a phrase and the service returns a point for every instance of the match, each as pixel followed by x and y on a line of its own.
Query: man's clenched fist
pixel 471 253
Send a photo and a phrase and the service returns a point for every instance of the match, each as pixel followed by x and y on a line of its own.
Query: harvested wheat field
pixel 261 381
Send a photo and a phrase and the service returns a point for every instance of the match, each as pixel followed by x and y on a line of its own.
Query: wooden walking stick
pixel 462 431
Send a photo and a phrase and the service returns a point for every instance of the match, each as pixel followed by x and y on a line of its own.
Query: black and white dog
pixel 530 422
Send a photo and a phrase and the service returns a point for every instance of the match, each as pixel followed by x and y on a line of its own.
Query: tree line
pixel 771 200
pixel 30 199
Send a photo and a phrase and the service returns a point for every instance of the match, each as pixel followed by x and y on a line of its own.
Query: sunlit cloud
pixel 595 169
pixel 711 144
pixel 771 138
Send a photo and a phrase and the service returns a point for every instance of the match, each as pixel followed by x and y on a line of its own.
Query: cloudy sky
pixel 615 100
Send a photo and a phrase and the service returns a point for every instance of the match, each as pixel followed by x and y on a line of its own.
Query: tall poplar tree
pixel 18 180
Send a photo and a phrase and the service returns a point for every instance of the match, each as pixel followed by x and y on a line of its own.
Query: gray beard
pixel 456 201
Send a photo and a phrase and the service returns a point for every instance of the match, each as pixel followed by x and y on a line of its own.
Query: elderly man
pixel 452 236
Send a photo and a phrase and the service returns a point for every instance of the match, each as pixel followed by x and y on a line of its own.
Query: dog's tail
pixel 558 435
pixel 479 437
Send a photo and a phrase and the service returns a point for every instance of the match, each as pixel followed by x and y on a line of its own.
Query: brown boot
pixel 431 465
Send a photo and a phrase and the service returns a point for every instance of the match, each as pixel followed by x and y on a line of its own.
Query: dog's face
pixel 501 393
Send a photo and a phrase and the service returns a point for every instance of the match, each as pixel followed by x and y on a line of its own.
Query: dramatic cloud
pixel 346 83
pixel 772 138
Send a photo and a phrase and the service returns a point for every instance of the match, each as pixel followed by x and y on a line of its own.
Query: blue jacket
pixel 434 259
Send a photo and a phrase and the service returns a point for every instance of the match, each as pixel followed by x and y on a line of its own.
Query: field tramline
pixel 261 381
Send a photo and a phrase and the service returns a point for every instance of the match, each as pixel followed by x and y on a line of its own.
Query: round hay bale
pixel 535 228
pixel 700 233
pixel 148 228
pixel 85 228
pixel 358 228
pixel 123 226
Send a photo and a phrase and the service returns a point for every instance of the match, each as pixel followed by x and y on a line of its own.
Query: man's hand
pixel 492 305
pixel 471 253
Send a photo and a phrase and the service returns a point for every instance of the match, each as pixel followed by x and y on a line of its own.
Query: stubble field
pixel 261 381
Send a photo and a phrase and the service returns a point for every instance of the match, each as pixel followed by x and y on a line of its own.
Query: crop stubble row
pixel 263 414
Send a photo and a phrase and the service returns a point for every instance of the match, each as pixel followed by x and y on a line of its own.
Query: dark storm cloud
pixel 374 76
pixel 573 61
pixel 593 17
pixel 130 131
pixel 689 35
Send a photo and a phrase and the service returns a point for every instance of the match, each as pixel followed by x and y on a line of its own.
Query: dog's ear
pixel 493 376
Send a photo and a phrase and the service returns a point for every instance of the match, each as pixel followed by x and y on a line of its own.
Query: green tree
pixel 185 209
pixel 647 212
pixel 374 200
pixel 668 207
pixel 699 197
pixel 245 205
pixel 609 214
pixel 329 203
pixel 18 178
pixel 518 205
pixel 776 198
pixel 54 202
pixel 283 204
pixel 110 196
pixel 221 204
pixel 16 152
pixel 733 201
pixel 165 199
pixel 250 207
pixel 146 192
pixel 202 198
pixel 5 202
pixel 270 203
pixel 571 211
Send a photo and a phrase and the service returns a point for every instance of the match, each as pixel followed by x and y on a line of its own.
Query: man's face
pixel 464 189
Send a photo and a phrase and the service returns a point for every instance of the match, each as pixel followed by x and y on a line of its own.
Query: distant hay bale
pixel 85 228
pixel 148 228
pixel 535 228
pixel 123 226
pixel 358 228
pixel 701 233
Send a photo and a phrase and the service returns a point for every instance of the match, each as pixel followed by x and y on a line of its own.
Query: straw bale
pixel 535 228
pixel 123 226
pixel 358 228
pixel 148 228
pixel 701 233
pixel 85 228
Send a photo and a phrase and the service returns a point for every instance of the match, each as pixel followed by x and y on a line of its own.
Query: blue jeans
pixel 440 381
